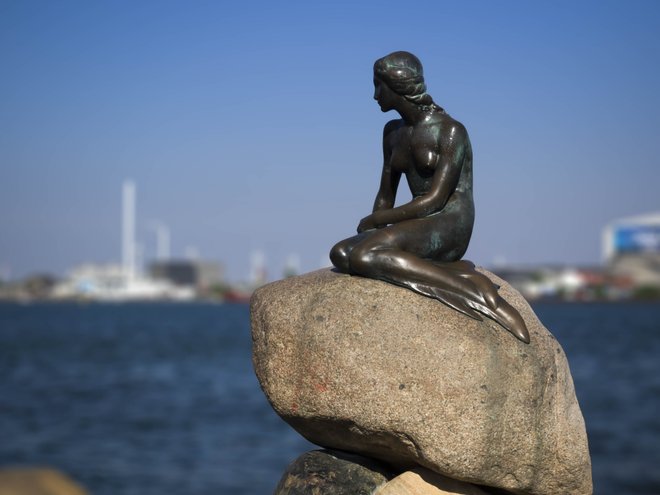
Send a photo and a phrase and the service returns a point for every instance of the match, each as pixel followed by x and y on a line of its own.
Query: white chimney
pixel 128 228
pixel 162 240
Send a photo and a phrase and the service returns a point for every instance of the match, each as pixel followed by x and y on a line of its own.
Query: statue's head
pixel 403 74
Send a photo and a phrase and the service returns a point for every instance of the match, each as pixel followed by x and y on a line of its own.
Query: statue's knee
pixel 339 257
pixel 362 261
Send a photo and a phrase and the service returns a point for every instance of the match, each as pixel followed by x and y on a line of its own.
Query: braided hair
pixel 403 74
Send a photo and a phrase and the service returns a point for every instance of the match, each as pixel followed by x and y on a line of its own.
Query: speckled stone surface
pixel 37 481
pixel 420 481
pixel 364 366
pixel 327 472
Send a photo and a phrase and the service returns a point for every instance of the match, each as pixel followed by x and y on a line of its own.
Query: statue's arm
pixel 447 167
pixel 389 179
pixel 389 183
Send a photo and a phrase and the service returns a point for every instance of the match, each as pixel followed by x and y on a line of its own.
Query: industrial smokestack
pixel 162 240
pixel 128 228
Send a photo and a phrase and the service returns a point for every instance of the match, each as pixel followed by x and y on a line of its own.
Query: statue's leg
pixel 383 256
pixel 340 252
pixel 403 268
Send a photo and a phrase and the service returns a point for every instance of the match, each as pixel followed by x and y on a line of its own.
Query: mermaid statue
pixel 419 244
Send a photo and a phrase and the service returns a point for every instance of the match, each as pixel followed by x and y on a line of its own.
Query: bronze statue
pixel 419 244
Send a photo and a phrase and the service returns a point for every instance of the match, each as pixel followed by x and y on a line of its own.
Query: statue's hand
pixel 367 223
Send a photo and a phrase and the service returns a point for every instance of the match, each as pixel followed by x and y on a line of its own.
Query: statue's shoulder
pixel 448 123
pixel 450 129
pixel 392 125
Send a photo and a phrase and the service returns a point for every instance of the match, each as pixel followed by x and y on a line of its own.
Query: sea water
pixel 141 399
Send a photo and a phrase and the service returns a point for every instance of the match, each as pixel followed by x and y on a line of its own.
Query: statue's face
pixel 385 97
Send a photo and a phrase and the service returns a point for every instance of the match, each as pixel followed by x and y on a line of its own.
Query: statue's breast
pixel 419 184
pixel 400 155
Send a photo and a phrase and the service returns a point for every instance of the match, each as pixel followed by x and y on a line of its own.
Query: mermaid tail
pixel 449 298
pixel 474 303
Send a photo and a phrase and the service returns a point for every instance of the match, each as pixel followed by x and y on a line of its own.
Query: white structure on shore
pixel 123 282
pixel 111 283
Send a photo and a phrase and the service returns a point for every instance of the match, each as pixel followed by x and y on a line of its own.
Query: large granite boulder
pixel 364 366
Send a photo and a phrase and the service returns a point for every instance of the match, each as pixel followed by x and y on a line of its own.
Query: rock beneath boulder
pixel 326 472
pixel 364 366
pixel 37 481
pixel 420 481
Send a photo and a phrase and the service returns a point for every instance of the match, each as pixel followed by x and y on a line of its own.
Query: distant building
pixel 181 273
pixel 631 248
pixel 536 282
pixel 566 282
pixel 209 274
pixel 201 275
pixel 258 274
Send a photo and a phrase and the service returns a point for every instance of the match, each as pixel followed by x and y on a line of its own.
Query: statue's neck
pixel 414 114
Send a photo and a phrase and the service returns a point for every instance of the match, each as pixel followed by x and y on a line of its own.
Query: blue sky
pixel 251 125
